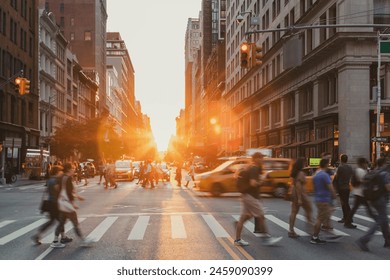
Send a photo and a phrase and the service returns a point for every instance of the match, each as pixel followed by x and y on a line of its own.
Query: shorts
pixel 324 211
pixel 251 206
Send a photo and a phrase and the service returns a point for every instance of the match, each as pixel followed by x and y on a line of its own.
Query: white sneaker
pixel 271 240
pixel 57 244
pixel 263 235
pixel 240 242
pixel 86 242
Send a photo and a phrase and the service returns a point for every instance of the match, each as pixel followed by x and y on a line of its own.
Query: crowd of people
pixel 326 191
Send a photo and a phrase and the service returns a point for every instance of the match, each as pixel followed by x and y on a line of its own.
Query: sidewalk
pixel 23 181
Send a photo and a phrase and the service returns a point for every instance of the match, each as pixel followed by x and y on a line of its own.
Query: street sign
pixel 385 47
pixel 380 139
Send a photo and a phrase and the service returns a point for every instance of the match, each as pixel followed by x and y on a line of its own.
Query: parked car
pixel 124 170
pixel 223 180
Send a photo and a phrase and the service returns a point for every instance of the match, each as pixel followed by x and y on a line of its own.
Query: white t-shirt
pixel 360 173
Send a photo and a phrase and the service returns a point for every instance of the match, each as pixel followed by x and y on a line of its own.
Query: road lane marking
pixel 22 231
pixel 177 227
pixel 358 226
pixel 44 254
pixel 228 248
pixel 333 231
pixel 99 231
pixel 285 225
pixel 6 222
pixel 50 236
pixel 138 231
pixel 215 227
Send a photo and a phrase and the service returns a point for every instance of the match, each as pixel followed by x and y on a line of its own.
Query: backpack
pixel 373 186
pixel 243 180
pixel 355 182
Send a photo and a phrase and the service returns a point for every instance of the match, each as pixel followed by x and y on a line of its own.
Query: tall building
pixel 205 62
pixel 83 24
pixel 18 57
pixel 192 46
pixel 322 103
pixel 65 91
pixel 119 57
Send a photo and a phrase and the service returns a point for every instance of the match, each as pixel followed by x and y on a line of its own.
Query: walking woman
pixel 299 196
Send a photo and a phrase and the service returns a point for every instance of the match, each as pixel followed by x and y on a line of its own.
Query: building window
pixel 291 106
pixel 62 7
pixel 72 21
pixel 307 99
pixel 72 36
pixel 62 21
pixel 87 36
pixel 30 112
pixel 330 90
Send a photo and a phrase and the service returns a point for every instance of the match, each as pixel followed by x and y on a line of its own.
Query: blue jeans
pixel 381 220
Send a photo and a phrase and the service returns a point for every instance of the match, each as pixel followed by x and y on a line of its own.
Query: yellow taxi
pixel 310 171
pixel 223 178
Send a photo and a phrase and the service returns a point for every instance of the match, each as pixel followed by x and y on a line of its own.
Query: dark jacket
pixel 343 176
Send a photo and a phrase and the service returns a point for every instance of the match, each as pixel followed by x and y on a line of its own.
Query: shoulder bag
pixel 64 204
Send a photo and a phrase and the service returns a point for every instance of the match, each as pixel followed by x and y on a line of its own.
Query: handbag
pixel 64 204
pixel 45 203
pixel 45 206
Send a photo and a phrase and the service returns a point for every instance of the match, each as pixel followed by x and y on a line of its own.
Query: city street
pixel 167 223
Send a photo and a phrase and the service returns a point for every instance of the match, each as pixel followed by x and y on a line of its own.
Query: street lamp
pixel 254 20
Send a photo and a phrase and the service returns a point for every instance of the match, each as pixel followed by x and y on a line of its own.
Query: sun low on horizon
pixel 154 34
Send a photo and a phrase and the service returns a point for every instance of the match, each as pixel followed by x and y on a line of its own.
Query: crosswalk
pixel 180 226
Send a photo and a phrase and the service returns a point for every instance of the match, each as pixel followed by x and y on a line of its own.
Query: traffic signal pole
pixel 316 26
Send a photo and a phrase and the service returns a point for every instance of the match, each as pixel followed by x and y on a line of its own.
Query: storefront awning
pixel 293 145
pixel 281 146
pixel 318 141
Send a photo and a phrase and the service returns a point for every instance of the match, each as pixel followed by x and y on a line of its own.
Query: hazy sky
pixel 154 33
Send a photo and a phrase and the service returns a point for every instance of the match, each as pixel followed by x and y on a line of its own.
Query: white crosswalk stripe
pixel 285 225
pixel 68 226
pixel 138 231
pixel 179 227
pixel 334 231
pixel 6 222
pixel 22 231
pixel 98 232
pixel 215 227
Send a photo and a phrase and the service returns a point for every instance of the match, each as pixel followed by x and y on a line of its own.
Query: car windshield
pixel 275 165
pixel 136 165
pixel 122 164
pixel 223 165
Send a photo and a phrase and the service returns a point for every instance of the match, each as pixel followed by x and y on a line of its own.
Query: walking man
pixel 380 206
pixel 251 205
pixel 341 182
pixel 323 197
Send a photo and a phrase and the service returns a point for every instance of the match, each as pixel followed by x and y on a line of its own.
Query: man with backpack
pixel 376 188
pixel 249 186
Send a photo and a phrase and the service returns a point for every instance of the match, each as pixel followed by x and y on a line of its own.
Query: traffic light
pixel 18 82
pixel 256 55
pixel 26 87
pixel 245 51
